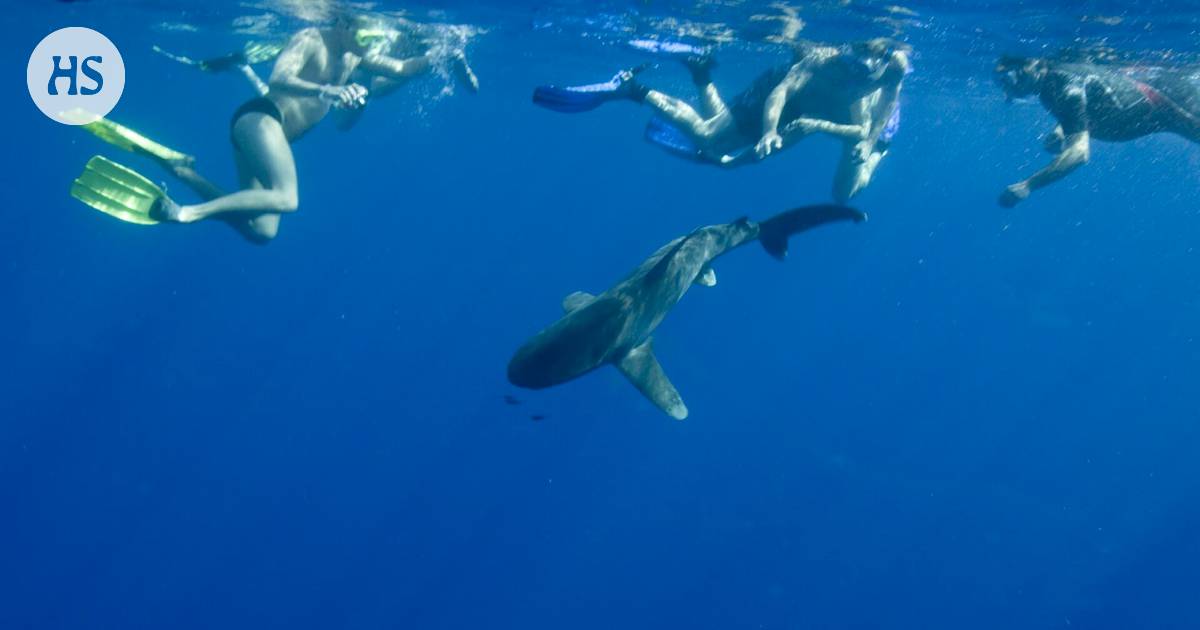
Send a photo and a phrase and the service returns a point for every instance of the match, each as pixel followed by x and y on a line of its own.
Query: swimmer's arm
pixel 888 99
pixel 860 117
pixel 289 64
pixel 860 122
pixel 1055 140
pixel 795 81
pixel 875 119
pixel 814 125
pixel 393 68
pixel 1076 152
pixel 382 86
pixel 865 123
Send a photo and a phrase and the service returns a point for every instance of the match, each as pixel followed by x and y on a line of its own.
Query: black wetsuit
pixel 1122 103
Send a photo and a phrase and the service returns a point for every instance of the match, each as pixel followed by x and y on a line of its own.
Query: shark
pixel 616 327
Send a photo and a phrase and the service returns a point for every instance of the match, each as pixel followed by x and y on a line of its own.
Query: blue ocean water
pixel 953 416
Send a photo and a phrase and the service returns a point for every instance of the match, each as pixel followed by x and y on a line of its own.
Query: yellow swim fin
pixel 118 191
pixel 125 138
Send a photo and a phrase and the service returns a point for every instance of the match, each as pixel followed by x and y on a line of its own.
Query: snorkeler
pixel 311 76
pixel 850 92
pixel 1089 100
pixel 386 42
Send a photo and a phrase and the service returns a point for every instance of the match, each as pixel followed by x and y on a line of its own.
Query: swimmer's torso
pixel 1117 103
pixel 324 67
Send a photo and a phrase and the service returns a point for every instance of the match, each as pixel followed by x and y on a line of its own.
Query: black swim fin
pixel 774 232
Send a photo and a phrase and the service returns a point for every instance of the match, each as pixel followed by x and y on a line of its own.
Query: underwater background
pixel 953 416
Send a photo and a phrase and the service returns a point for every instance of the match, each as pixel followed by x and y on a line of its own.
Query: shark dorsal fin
pixel 642 369
pixel 707 277
pixel 576 301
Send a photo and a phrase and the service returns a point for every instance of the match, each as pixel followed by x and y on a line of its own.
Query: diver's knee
pixel 713 127
pixel 262 235
pixel 255 238
pixel 844 188
pixel 286 201
pixel 268 232
pixel 263 229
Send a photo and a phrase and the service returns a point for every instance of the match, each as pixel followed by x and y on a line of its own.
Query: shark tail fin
pixel 774 232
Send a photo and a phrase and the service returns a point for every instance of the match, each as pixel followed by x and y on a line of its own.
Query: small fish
pixel 537 417
pixel 510 400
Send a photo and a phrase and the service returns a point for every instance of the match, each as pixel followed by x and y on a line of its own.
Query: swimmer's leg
pixel 244 224
pixel 268 159
pixel 258 228
pixel 711 103
pixel 714 117
pixel 197 182
pixel 684 116
pixel 855 171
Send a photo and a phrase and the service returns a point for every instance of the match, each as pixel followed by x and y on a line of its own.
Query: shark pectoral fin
pixel 642 369
pixel 707 277
pixel 576 301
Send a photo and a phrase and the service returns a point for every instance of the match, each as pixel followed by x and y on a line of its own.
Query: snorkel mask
pixel 368 32
pixel 1012 74
pixel 374 38
pixel 868 61
pixel 860 65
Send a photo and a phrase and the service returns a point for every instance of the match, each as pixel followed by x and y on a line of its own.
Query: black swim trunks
pixel 261 105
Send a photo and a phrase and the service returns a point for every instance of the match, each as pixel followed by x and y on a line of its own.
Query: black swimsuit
pixel 260 105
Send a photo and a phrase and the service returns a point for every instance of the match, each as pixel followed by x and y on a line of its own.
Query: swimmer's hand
pixel 351 96
pixel 771 141
pixel 1014 194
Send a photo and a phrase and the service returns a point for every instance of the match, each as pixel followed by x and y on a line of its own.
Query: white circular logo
pixel 75 75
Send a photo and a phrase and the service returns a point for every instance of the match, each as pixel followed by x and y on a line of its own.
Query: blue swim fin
pixel 677 142
pixel 673 139
pixel 582 98
pixel 668 48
